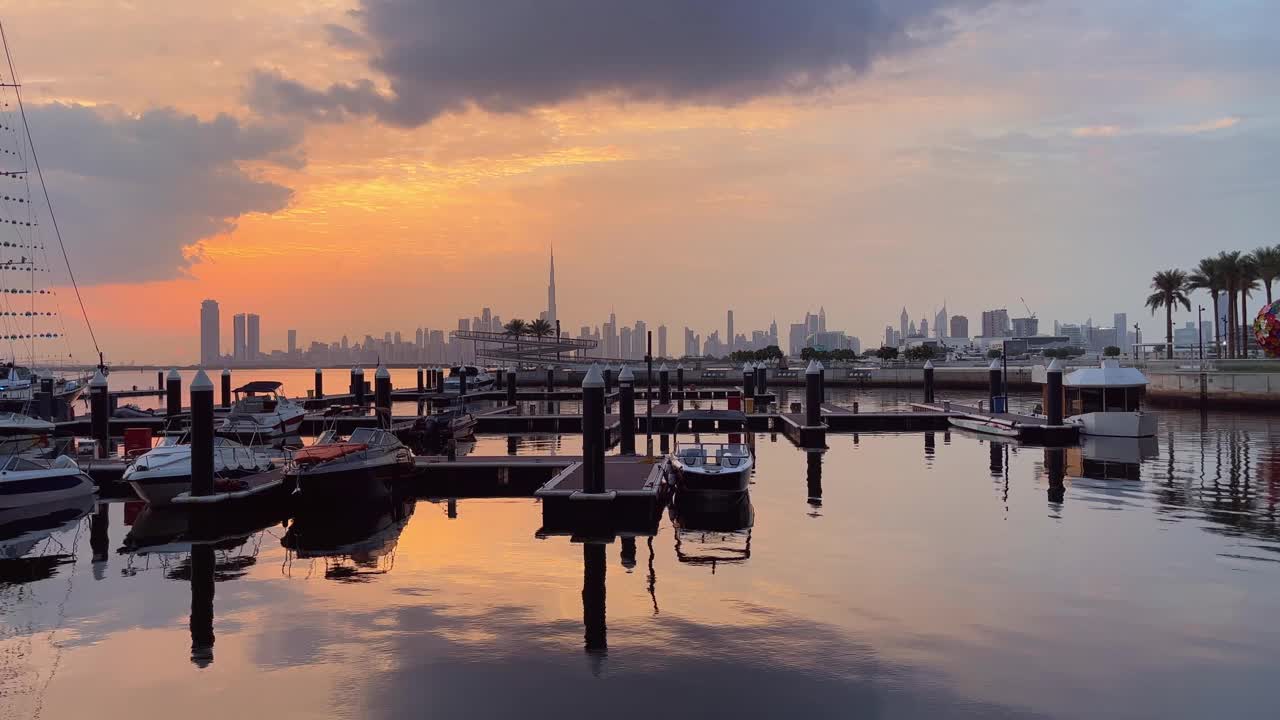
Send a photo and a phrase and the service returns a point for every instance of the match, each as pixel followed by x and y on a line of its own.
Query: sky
pixel 356 166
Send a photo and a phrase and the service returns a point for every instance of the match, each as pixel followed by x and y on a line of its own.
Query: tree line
pixel 1228 277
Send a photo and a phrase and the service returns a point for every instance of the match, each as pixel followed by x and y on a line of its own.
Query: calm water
pixel 913 575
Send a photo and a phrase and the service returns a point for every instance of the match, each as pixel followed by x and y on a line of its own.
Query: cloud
pixel 1199 128
pixel 442 56
pixel 135 193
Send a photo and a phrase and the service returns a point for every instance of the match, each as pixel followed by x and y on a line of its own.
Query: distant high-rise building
pixel 624 342
pixel 238 337
pixel 210 319
pixel 419 339
pixel 773 332
pixel 691 343
pixel 924 327
pixel 1026 326
pixel 903 319
pixel 940 322
pixel 995 323
pixel 611 349
pixel 822 319
pixel 796 338
pixel 662 341
pixel 959 326
pixel 293 342
pixel 252 338
pixel 552 315
pixel 1121 324
pixel 640 340
pixel 486 320
pixel 729 334
pixel 888 336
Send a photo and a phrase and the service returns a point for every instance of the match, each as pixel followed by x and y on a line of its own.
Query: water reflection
pixel 1166 558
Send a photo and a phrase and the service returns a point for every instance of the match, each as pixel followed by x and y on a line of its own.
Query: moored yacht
pixel 164 472
pixel 261 411
pixel 27 482
pixel 1105 400
pixel 477 379
pixel 19 433
pixel 710 468
pixel 360 467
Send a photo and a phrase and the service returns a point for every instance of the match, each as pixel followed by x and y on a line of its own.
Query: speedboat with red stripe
pixel 361 467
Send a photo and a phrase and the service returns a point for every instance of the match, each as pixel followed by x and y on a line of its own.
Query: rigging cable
pixel 40 173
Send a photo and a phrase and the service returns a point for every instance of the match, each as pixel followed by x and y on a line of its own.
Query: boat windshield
pixel 370 437
pixel 727 455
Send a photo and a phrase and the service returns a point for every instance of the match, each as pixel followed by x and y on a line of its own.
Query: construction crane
pixel 1028 307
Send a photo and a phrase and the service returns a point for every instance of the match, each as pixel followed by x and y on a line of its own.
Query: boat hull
pixel 49 490
pixel 711 483
pixel 1117 424
pixel 331 487
pixel 162 490
pixel 987 428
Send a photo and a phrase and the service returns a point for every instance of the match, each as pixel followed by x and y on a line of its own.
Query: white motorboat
pixel 261 411
pixel 361 467
pixel 1105 400
pixel 164 472
pixel 19 433
pixel 711 468
pixel 19 386
pixel 477 379
pixel 27 482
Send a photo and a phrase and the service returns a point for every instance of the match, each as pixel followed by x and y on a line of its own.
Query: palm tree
pixel 1267 262
pixel 1229 265
pixel 540 328
pixel 1170 289
pixel 516 327
pixel 1247 281
pixel 1208 276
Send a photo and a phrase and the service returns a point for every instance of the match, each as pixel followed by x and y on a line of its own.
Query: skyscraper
pixel 729 335
pixel 237 337
pixel 822 319
pixel 293 342
pixel 959 326
pixel 252 346
pixel 940 321
pixel 1121 322
pixel 640 340
pixel 551 291
pixel 210 353
pixel 995 323
pixel 662 341
pixel 1026 326
pixel 903 320
pixel 624 340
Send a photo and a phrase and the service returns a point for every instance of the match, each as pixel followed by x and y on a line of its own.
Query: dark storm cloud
pixel 510 55
pixel 132 191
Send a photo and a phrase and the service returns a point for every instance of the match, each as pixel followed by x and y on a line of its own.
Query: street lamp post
pixel 1137 336
pixel 1200 329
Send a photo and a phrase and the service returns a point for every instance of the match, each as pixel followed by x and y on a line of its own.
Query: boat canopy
pixel 1109 375
pixel 260 386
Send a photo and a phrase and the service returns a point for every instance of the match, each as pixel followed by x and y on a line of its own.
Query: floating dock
pixel 1031 429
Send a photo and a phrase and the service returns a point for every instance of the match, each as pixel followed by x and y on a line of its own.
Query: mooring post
pixel 680 377
pixel 357 381
pixel 511 387
pixel 160 380
pixel 351 384
pixel 822 380
pixel 813 394
pixel 319 384
pixel 382 395
pixel 608 380
pixel 1053 386
pixel 593 431
pixel 226 387
pixel 928 381
pixel 173 391
pixel 100 412
pixel 46 398
pixel 748 383
pixel 664 385
pixel 462 382
pixel 500 379
pixel 627 409
pixel 762 379
pixel 201 435
pixel 551 379
pixel 422 385
pixel 993 380
pixel 1055 466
